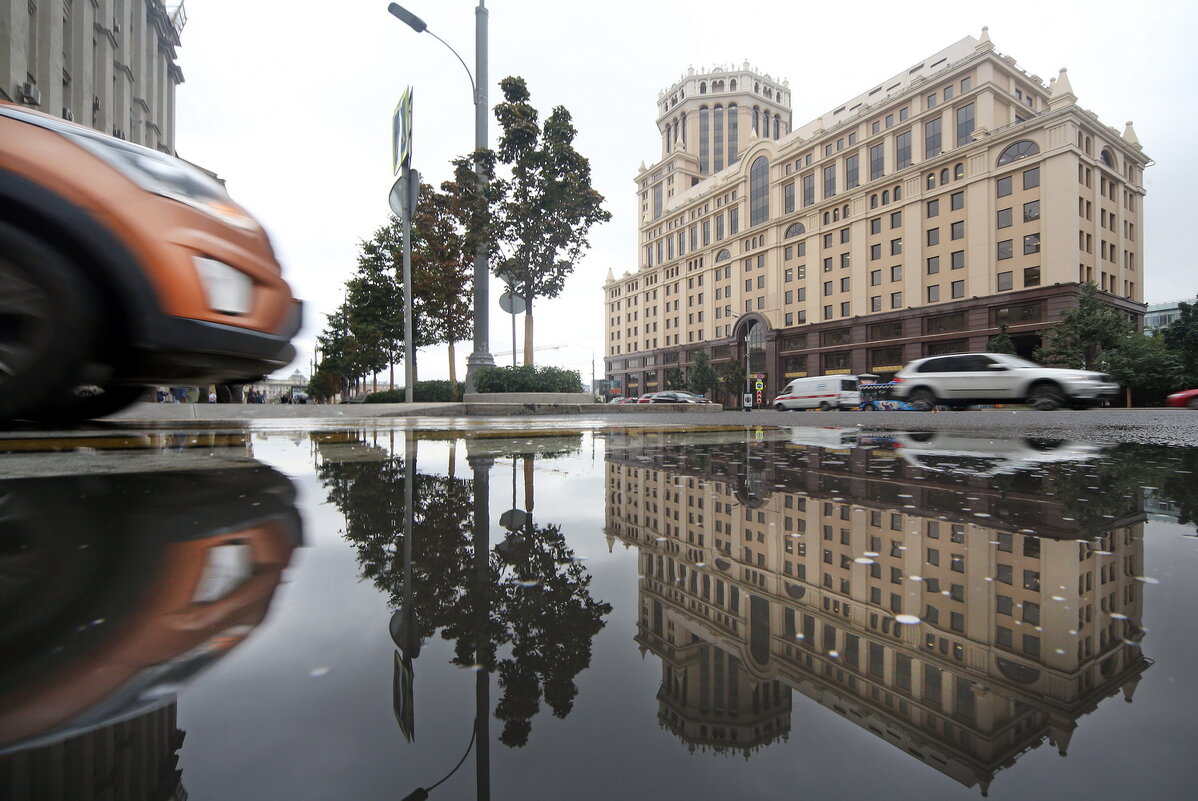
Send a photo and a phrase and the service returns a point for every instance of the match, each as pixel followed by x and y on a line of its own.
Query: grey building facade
pixel 107 64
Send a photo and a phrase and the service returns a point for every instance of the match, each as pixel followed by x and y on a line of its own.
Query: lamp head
pixel 407 17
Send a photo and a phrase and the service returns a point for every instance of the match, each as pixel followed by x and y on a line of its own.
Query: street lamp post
pixel 481 357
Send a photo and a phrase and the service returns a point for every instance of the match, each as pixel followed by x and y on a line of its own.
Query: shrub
pixel 527 378
pixel 423 392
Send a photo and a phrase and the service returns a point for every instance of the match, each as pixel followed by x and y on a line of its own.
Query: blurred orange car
pixel 122 267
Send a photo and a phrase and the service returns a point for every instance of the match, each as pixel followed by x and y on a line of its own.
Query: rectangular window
pixel 706 233
pixel 1005 218
pixel 875 303
pixel 844 284
pixel 958 260
pixel 965 125
pixel 896 272
pixel 733 220
pixel 958 288
pixel 896 300
pixel 844 260
pixel 957 201
pixel 875 277
pixel 902 150
pixel 931 138
pixel 1031 178
pixel 896 219
pixel 875 252
pixel 1031 211
pixel 719 227
pixel 1005 250
pixel 830 181
pixel 958 230
pixel 1005 281
pixel 934 293
pixel 877 162
pixel 851 177
pixel 933 99
pixel 934 208
pixel 933 236
pixel 808 189
pixel 1031 276
pixel 1004 186
pixel 788 197
pixel 1031 244
pixel 875 225
pixel 896 246
pixel 933 265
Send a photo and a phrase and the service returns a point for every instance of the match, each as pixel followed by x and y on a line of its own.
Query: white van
pixel 820 392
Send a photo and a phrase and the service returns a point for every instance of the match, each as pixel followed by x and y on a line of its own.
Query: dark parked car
pixel 671 396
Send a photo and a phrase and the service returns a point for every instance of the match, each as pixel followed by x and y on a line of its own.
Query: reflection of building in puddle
pixel 876 589
pixel 118 590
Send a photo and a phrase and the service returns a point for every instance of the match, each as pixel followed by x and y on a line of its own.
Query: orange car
pixel 122 267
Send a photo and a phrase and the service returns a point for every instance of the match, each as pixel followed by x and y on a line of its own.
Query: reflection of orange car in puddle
pixel 119 589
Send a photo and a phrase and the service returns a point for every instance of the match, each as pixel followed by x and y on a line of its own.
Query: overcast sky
pixel 291 103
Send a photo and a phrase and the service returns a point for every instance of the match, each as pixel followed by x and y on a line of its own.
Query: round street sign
pixel 512 303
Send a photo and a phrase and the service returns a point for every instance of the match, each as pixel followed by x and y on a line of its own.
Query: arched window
pixel 835 215
pixel 732 85
pixel 885 196
pixel 873 201
pixel 756 86
pixel 759 191
pixel 931 180
pixel 944 176
pixel 794 229
pixel 958 172
pixel 1107 158
pixel 733 133
pixel 757 120
pixel 723 255
pixel 1017 151
pixel 703 87
pixel 827 218
pixel 845 212
pixel 898 193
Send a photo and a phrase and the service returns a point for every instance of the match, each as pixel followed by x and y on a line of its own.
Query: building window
pixel 896 300
pixel 1017 151
pixel 1031 178
pixel 958 230
pixel 958 288
pixel 1005 281
pixel 851 177
pixel 1005 218
pixel 877 162
pixel 1031 244
pixel 794 229
pixel 759 191
pixel 1031 276
pixel 934 208
pixel 788 197
pixel 934 293
pixel 931 138
pixel 1031 211
pixel 808 189
pixel 830 181
pixel 933 265
pixel 958 259
pixel 875 303
pixel 957 201
pixel 875 225
pixel 933 236
pixel 875 252
pixel 902 150
pixel 1004 186
pixel 896 246
pixel 1005 250
pixel 964 124
pixel 896 219
pixel 704 140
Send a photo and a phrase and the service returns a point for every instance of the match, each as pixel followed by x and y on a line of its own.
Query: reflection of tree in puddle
pixel 527 615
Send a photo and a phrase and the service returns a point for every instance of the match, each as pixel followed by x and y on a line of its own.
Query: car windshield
pixel 1013 361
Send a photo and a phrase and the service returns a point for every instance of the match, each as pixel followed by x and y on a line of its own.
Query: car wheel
pixel 778 407
pixel 47 324
pixel 1046 397
pixel 922 400
pixel 869 407
pixel 1192 403
pixel 88 403
pixel 824 407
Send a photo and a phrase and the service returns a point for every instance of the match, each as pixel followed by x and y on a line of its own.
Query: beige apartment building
pixel 914 219
pixel 962 633
pixel 107 64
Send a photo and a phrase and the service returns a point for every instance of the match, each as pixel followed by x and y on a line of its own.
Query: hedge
pixel 527 378
pixel 422 392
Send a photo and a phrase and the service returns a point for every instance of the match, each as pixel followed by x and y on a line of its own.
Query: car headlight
pixel 164 175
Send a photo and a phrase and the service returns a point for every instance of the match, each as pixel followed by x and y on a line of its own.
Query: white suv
pixel 968 378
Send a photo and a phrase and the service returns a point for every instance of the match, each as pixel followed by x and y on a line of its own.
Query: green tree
pixel 1083 333
pixel 548 204
pixel 1002 342
pixel 1146 366
pixel 701 378
pixel 341 359
pixel 674 379
pixel 374 304
pixel 1181 337
pixel 732 377
pixel 442 270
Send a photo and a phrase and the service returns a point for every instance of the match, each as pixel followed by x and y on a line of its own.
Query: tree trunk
pixel 375 378
pixel 528 334
pixel 391 378
pixel 453 369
